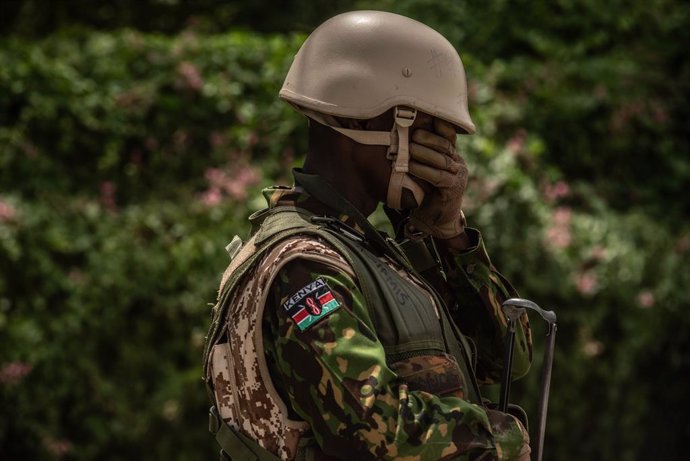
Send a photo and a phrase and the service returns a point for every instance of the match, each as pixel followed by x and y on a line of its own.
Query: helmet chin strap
pixel 397 139
pixel 400 179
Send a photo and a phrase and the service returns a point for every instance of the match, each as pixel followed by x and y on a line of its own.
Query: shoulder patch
pixel 311 303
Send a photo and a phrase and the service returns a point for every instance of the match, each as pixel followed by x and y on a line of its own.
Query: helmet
pixel 361 64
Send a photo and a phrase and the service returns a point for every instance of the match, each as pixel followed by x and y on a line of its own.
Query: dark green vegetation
pixel 128 159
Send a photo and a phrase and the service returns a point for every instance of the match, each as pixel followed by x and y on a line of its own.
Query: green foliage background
pixel 132 151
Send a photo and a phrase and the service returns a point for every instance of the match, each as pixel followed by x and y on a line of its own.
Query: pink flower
pixel 211 197
pixel 562 216
pixel 517 142
pixel 7 211
pixel 14 372
pixel 57 447
pixel 586 283
pixel 559 234
pixel 556 191
pixel 215 176
pixel 645 299
pixel 107 199
pixel 191 77
pixel 243 178
pixel 593 348
pixel 233 185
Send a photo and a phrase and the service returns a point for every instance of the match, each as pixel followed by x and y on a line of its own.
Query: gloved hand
pixel 510 436
pixel 433 159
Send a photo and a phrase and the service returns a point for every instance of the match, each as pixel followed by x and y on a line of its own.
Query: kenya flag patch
pixel 311 303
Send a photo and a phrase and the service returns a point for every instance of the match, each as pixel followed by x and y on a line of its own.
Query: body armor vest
pixel 422 344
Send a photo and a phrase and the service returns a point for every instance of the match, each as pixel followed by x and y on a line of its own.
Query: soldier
pixel 331 340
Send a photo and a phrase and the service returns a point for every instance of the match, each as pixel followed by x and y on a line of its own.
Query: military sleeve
pixel 332 371
pixel 479 290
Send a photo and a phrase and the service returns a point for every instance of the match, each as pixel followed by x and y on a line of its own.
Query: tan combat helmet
pixel 363 63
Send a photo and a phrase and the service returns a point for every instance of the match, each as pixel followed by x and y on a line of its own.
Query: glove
pixel 510 436
pixel 434 160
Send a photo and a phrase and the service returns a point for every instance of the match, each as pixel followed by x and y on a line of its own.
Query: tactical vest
pixel 249 418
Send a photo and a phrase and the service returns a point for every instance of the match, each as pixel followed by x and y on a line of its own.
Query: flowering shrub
pixel 129 115
pixel 130 160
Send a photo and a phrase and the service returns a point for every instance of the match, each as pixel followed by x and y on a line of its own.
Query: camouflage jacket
pixel 331 379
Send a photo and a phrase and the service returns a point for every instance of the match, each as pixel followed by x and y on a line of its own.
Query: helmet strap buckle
pixel 400 146
pixel 404 116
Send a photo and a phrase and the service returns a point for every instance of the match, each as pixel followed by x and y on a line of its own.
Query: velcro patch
pixel 311 303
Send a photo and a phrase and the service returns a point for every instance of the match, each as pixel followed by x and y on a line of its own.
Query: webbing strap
pixel 419 255
pixel 235 444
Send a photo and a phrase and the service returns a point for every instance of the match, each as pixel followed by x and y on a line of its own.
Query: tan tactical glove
pixel 510 436
pixel 433 159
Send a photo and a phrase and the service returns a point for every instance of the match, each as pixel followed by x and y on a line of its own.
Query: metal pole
pixel 545 388
pixel 512 313
pixel 511 307
pixel 507 367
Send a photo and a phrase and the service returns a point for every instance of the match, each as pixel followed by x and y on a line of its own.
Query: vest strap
pixel 236 445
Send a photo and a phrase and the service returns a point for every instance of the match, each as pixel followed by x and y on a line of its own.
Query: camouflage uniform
pixel 300 364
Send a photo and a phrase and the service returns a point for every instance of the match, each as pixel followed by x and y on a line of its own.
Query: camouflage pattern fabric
pixel 284 382
pixel 480 290
pixel 474 292
pixel 242 387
